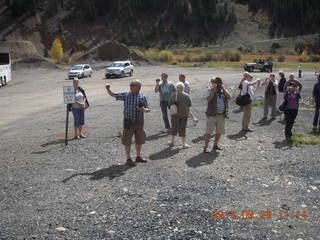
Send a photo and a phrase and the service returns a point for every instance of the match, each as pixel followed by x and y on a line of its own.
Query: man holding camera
pixel 165 89
pixel 135 104
pixel 217 112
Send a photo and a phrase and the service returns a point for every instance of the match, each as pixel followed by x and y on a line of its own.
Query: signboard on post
pixel 69 98
pixel 68 94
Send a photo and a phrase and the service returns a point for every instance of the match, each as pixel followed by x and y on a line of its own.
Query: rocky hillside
pixel 85 25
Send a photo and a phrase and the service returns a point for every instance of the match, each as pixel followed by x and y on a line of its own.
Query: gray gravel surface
pixel 86 188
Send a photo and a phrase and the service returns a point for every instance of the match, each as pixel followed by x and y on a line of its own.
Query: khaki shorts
pixel 136 129
pixel 215 122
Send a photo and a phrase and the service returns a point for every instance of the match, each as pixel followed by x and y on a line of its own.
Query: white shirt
pixel 186 87
pixel 246 88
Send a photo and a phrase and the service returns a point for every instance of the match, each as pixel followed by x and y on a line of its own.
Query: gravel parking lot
pixel 258 187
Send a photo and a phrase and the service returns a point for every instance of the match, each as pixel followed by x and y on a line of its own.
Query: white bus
pixel 5 67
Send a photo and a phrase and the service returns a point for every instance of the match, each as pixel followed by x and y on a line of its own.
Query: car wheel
pixel 122 74
pixel 107 76
pixel 5 82
pixel 131 73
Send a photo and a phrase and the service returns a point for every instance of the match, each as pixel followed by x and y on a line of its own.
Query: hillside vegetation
pixel 82 25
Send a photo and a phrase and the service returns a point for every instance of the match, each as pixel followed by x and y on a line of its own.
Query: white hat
pixel 281 71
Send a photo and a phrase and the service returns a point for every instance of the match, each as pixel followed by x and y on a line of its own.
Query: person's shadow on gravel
pixel 200 139
pixel 111 172
pixel 242 135
pixel 202 159
pixel 165 153
pixel 283 145
pixel 264 122
pixel 157 136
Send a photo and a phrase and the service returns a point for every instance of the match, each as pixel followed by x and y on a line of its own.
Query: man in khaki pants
pixel 247 87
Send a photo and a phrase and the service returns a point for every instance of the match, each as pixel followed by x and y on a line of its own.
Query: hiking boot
pixel 140 160
pixel 130 162
pixel 216 147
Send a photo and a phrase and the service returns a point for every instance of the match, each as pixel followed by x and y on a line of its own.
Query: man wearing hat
pixel 217 112
pixel 135 105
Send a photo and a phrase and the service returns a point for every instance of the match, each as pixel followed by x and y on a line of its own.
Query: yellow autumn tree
pixel 57 50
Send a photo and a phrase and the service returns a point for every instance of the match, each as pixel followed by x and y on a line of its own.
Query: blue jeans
pixel 164 109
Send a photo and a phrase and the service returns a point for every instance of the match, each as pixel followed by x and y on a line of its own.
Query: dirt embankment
pixel 24 54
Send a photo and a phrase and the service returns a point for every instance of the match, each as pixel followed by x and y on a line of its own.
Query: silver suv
pixel 80 71
pixel 119 69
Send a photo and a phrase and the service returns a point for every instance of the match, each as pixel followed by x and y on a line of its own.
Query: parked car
pixel 260 64
pixel 119 69
pixel 80 71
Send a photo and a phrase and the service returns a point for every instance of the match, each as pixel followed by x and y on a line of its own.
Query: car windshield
pixel 77 68
pixel 116 65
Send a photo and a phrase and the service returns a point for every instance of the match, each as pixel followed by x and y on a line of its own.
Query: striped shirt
pixel 131 102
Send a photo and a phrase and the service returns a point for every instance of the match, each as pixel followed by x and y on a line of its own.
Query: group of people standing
pixel 283 92
pixel 286 92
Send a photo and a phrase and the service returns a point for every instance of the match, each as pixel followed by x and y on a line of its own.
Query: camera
pixel 157 80
pixel 107 86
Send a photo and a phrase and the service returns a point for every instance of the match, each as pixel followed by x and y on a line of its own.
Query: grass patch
pixel 307 105
pixel 299 139
pixel 258 103
pixel 223 58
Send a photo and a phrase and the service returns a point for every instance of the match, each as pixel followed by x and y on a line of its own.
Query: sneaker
pixel 76 137
pixel 166 130
pixel 264 118
pixel 216 147
pixel 195 121
pixel 130 162
pixel 170 144
pixel 247 130
pixel 184 146
pixel 205 150
pixel 140 160
pixel 83 136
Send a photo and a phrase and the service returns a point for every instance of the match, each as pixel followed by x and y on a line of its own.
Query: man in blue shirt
pixel 165 88
pixel 316 101
pixel 135 104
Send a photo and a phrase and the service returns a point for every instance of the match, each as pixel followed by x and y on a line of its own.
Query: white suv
pixel 80 71
pixel 119 69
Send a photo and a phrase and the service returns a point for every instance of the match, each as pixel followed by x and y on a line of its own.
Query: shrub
pixel 270 58
pixel 152 53
pixel 57 50
pixel 281 58
pixel 314 58
pixel 274 47
pixel 165 56
pixel 240 48
pixel 232 56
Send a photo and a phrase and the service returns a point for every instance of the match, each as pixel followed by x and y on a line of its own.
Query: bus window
pixel 4 59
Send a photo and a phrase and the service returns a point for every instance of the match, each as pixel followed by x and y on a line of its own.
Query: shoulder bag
pixel 243 100
pixel 174 108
